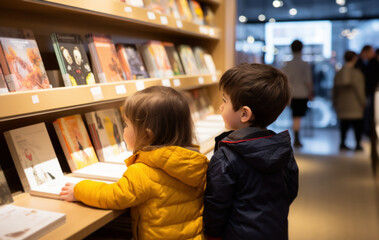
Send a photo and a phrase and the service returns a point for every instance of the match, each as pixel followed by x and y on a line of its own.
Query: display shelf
pixel 22 104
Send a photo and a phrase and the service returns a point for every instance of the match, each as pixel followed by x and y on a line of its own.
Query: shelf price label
pixel 211 32
pixel 200 80
pixel 203 30
pixel 128 9
pixel 151 15
pixel 179 24
pixel 166 82
pixel 177 82
pixel 120 89
pixel 140 85
pixel 35 99
pixel 97 94
pixel 164 20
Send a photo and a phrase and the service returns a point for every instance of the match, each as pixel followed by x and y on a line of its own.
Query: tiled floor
pixel 338 198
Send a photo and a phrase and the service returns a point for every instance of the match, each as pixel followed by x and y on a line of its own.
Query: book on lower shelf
pixel 21 61
pixel 72 59
pixel 79 151
pixel 18 223
pixel 36 162
pixel 5 193
pixel 106 130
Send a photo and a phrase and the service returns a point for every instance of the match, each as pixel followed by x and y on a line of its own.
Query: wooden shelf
pixel 22 104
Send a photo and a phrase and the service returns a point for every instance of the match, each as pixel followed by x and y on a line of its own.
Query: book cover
pixel 5 193
pixel 22 64
pixel 3 84
pixel 72 59
pixel 173 9
pixel 209 16
pixel 27 223
pixel 106 130
pixel 174 59
pixel 159 6
pixel 210 64
pixel 197 12
pixel 104 55
pixel 188 60
pixel 75 142
pixel 156 59
pixel 131 61
pixel 184 10
pixel 200 60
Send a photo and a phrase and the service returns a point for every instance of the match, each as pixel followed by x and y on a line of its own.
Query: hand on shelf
pixel 67 193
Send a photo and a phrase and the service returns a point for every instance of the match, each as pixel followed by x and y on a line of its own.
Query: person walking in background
pixel 349 99
pixel 300 78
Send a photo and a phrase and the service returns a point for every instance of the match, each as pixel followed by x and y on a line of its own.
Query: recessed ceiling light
pixel 272 20
pixel 242 19
pixel 276 3
pixel 341 2
pixel 293 11
pixel 342 9
pixel 261 17
pixel 250 39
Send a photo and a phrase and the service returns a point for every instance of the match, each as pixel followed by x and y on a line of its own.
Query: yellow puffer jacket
pixel 164 189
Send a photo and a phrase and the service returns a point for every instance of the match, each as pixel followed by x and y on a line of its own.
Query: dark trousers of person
pixel 357 125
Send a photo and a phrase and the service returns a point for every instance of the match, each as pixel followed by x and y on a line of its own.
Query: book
pixel 210 63
pixel 197 12
pixel 200 60
pixel 104 58
pixel 35 160
pixel 3 84
pixel 184 10
pixel 21 62
pixel 72 59
pixel 106 130
pixel 209 16
pixel 79 152
pixel 5 193
pixel 174 59
pixel 173 9
pixel 156 59
pixel 131 61
pixel 188 60
pixel 27 223
pixel 159 6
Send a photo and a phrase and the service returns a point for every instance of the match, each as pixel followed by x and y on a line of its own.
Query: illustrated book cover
pixel 174 58
pixel 21 62
pixel 104 58
pixel 200 60
pixel 131 61
pixel 188 60
pixel 72 59
pixel 156 59
pixel 106 130
pixel 184 10
pixel 197 12
pixel 18 223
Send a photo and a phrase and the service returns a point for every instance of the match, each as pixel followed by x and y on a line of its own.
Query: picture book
pixel 197 12
pixel 188 60
pixel 156 59
pixel 173 9
pixel 22 64
pixel 106 130
pixel 184 10
pixel 3 84
pixel 5 193
pixel 159 6
pixel 131 61
pixel 200 60
pixel 174 59
pixel 72 59
pixel 210 63
pixel 35 160
pixel 18 223
pixel 102 171
pixel 104 57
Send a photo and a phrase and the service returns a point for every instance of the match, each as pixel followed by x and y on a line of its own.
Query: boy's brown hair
pixel 160 116
pixel 262 88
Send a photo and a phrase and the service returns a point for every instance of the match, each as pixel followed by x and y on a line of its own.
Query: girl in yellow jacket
pixel 165 180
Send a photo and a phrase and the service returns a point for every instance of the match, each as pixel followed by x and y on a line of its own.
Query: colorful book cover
pixel 197 12
pixel 184 10
pixel 107 64
pixel 18 223
pixel 131 61
pixel 72 59
pixel 3 84
pixel 188 60
pixel 156 59
pixel 174 59
pixel 5 193
pixel 106 131
pixel 22 64
pixel 159 6
pixel 200 60
pixel 173 8
pixel 75 142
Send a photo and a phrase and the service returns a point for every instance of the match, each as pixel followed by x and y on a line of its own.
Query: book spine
pixel 62 68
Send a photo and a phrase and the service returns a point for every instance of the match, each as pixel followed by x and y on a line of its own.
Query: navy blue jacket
pixel 252 180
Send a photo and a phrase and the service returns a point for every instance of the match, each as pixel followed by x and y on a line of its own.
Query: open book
pixel 27 223
pixel 80 153
pixel 35 160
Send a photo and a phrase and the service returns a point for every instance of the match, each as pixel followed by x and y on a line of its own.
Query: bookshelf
pixel 126 24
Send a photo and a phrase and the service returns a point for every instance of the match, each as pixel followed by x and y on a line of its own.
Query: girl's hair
pixel 160 116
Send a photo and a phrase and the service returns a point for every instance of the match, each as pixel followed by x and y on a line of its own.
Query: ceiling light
pixel 272 20
pixel 341 2
pixel 261 17
pixel 293 11
pixel 250 39
pixel 342 9
pixel 276 3
pixel 242 19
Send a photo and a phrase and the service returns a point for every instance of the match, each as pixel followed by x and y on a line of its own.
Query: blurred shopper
pixel 349 99
pixel 300 77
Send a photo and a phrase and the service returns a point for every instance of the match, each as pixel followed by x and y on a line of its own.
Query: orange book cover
pixel 75 142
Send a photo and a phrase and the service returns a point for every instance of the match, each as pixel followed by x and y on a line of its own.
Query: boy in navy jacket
pixel 253 176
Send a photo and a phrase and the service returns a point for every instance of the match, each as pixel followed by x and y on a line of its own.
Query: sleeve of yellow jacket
pixel 131 190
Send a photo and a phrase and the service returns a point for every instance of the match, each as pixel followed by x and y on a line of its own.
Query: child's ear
pixel 246 114
pixel 149 132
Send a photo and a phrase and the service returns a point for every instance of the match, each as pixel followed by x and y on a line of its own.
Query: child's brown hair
pixel 160 116
pixel 262 88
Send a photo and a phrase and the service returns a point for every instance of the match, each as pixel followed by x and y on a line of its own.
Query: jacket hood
pixel 186 165
pixel 264 150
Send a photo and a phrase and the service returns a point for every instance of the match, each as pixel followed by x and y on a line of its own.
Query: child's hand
pixel 67 192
